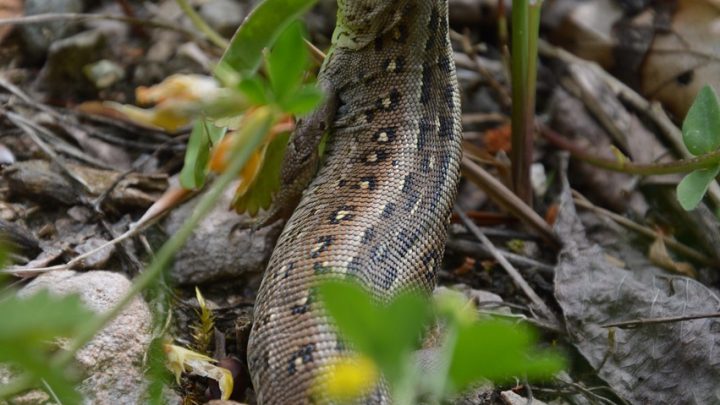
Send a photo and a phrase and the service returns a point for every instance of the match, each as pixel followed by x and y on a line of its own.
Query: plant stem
pixel 256 132
pixel 201 25
pixel 705 161
pixel 525 25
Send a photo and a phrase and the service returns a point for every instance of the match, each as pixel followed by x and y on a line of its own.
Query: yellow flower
pixel 349 378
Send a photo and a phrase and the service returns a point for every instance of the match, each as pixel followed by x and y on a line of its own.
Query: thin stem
pixel 705 161
pixel 678 247
pixel 652 321
pixel 510 202
pixel 522 101
pixel 201 25
pixel 515 275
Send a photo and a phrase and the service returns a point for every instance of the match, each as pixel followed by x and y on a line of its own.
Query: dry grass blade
pixel 505 198
pixel 517 278
pixel 681 248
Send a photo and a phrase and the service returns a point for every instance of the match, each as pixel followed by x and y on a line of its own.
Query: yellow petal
pixel 178 87
pixel 219 374
pixel 178 358
pixel 349 378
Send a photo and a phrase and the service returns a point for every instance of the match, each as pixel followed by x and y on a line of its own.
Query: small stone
pixel 98 259
pixel 103 73
pixel 39 37
pixel 66 59
pixel 113 359
pixel 217 250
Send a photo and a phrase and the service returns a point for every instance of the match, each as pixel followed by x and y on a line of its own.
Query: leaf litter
pixel 661 363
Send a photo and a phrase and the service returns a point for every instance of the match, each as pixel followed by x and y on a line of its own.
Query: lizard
pixel 377 209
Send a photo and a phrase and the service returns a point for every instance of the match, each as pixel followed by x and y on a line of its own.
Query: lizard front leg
pixel 301 159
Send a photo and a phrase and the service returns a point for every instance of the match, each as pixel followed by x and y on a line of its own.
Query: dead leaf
pixel 666 363
pixel 684 58
pixel 497 139
pixel 660 256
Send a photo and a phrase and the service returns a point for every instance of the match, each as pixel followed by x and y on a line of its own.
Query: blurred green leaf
pixel 259 195
pixel 50 317
pixel 203 136
pixel 28 328
pixel 259 30
pixel 497 350
pixel 692 188
pixel 254 89
pixel 302 101
pixel 387 334
pixel 701 128
pixel 157 373
pixel 287 61
pixel 34 360
pixel 4 253
pixel 228 104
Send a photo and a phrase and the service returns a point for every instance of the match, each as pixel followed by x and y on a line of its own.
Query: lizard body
pixel 378 208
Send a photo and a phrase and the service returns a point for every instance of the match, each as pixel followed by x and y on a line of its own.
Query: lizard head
pixel 359 22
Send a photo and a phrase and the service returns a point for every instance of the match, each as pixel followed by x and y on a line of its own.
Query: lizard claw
pixel 261 221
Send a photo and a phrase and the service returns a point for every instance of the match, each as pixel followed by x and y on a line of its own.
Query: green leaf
pixel 497 350
pixel 254 88
pixel 34 361
pixel 387 334
pixel 28 328
pixel 259 195
pixel 4 253
pixel 204 134
pixel 287 61
pixel 302 101
pixel 701 128
pixel 40 317
pixel 692 188
pixel 259 30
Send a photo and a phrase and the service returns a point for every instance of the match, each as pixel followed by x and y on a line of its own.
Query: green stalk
pixel 705 161
pixel 253 135
pixel 201 25
pixel 525 31
pixel 532 63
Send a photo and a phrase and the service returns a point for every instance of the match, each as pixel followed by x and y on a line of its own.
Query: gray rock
pixel 216 250
pixel 38 37
pixel 66 60
pixel 112 360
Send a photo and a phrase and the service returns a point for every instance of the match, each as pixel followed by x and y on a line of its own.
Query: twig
pixel 512 272
pixel 50 17
pixel 19 121
pixel 66 119
pixel 72 263
pixel 479 251
pixel 59 144
pixel 508 201
pixel 317 55
pixel 652 321
pixel 681 248
pixel 469 50
pixel 482 118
